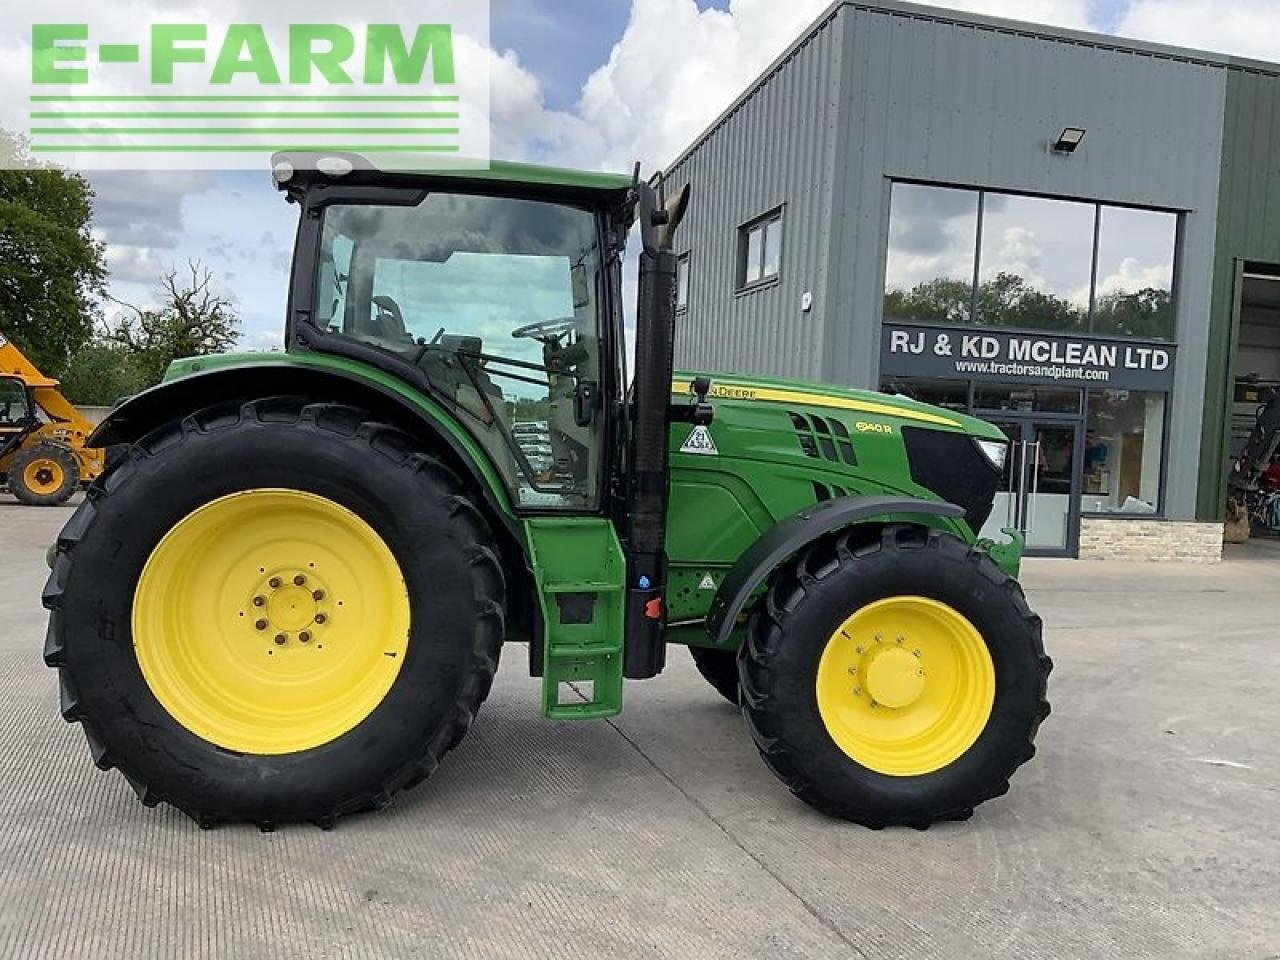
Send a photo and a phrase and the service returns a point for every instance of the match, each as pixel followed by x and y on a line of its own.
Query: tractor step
pixel 581 574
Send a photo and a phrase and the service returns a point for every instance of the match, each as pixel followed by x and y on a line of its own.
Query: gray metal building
pixel 893 139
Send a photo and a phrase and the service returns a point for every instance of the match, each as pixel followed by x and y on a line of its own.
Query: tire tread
pixel 767 631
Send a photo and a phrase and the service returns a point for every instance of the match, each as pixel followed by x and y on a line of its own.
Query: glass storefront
pixel 1052 319
pixel 1073 452
pixel 987 258
pixel 1124 442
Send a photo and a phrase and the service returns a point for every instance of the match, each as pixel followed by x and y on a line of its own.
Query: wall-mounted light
pixel 1068 140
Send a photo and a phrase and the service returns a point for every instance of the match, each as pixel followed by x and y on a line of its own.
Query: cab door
pixel 17 415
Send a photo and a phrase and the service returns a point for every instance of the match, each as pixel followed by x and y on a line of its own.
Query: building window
pixel 980 257
pixel 1035 263
pixel 1123 446
pixel 760 250
pixel 933 246
pixel 1134 293
pixel 682 283
pixel 1023 398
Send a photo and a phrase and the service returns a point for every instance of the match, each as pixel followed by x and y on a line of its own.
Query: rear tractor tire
pixel 894 676
pixel 44 475
pixel 291 639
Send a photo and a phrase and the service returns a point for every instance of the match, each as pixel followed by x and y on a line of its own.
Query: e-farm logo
pixel 109 93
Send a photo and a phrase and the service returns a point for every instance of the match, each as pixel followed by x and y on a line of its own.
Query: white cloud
pixel 1017 251
pixel 131 264
pixel 1247 28
pixel 1132 275
pixel 676 68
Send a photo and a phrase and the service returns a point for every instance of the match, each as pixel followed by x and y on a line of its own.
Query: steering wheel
pixel 547 331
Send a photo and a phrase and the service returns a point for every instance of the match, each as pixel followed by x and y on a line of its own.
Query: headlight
pixel 994 451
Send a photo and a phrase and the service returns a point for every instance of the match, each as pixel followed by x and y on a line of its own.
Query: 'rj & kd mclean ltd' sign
pixel 969 353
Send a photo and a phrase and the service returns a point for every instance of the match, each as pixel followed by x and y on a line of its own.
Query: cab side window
pixel 13 403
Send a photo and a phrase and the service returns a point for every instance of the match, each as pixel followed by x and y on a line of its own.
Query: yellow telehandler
pixel 43 457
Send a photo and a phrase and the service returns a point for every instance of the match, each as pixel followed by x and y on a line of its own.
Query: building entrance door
pixel 1039 493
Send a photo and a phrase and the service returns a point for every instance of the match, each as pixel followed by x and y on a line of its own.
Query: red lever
pixel 653 609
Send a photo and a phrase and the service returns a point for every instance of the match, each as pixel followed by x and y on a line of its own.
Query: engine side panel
pixel 761 460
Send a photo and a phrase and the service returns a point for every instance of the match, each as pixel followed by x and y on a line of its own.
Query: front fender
pixel 789 536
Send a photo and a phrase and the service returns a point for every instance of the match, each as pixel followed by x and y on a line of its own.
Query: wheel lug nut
pixel 299 580
pixel 317 595
pixel 261 624
pixel 274 583
pixel 304 636
pixel 281 639
pixel 259 601
pixel 321 618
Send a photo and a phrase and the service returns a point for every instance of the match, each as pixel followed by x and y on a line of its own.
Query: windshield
pixel 496 301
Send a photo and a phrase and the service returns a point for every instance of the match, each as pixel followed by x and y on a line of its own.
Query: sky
pixel 596 84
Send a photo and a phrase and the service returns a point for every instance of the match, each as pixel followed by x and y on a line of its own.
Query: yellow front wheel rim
pixel 905 685
pixel 44 476
pixel 271 621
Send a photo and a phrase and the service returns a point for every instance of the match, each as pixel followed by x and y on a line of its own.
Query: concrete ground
pixel 1146 827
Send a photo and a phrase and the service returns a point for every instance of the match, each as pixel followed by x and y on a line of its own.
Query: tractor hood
pixel 873 405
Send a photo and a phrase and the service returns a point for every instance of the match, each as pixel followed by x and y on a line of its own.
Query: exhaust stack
pixel 648 477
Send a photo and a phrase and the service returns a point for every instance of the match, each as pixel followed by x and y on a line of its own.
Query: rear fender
pixel 788 537
pixel 175 399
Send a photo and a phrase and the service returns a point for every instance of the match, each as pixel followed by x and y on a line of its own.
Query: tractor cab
pixel 502 305
pixel 17 413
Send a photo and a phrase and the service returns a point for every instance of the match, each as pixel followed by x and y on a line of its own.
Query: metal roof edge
pixel 921 11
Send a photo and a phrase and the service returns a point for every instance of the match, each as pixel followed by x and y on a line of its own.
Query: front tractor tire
pixel 275 612
pixel 894 676
pixel 44 475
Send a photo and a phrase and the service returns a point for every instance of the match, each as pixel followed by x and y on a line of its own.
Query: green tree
pixel 941 300
pixel 102 372
pixel 1005 300
pixel 1143 313
pixel 192 321
pixel 51 268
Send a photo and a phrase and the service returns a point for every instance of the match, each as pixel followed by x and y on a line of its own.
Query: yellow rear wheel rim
pixel 271 621
pixel 44 476
pixel 905 686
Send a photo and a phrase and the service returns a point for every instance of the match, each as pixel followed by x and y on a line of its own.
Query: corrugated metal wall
pixel 887 91
pixel 776 149
pixel 1248 229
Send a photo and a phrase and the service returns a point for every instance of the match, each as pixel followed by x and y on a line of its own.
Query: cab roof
pixel 430 169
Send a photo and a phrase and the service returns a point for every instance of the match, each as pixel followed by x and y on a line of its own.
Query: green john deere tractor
pixel 288 600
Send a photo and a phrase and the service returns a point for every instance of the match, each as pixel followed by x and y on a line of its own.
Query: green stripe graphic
pixel 238 131
pixel 241 148
pixel 244 99
pixel 236 115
